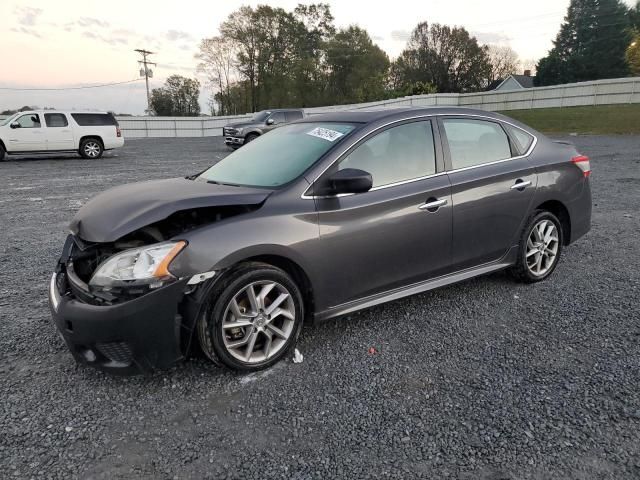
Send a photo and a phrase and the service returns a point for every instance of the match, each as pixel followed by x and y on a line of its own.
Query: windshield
pixel 279 156
pixel 6 121
pixel 261 116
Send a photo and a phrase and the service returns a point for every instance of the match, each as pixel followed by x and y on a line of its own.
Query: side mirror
pixel 15 125
pixel 271 121
pixel 349 180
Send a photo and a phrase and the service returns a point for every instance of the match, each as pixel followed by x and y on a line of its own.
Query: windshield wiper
pixel 222 183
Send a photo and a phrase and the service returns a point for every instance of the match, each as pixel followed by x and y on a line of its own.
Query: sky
pixel 71 43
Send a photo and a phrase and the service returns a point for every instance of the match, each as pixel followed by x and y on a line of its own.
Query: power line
pixel 69 88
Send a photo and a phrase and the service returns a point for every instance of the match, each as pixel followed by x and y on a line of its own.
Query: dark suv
pixel 237 134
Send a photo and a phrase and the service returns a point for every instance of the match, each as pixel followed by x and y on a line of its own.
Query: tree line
pixel 268 57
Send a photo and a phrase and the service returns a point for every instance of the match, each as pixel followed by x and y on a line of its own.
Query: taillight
pixel 118 132
pixel 582 162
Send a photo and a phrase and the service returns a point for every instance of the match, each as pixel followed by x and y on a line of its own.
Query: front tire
pixel 250 138
pixel 91 148
pixel 539 249
pixel 3 153
pixel 252 319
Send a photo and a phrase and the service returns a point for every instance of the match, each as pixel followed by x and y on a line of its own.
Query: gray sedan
pixel 314 220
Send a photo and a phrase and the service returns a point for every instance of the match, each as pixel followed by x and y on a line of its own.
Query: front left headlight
pixel 138 266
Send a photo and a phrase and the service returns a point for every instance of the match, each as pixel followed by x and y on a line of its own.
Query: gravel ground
pixel 487 379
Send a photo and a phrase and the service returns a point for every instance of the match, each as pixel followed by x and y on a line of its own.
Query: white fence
pixel 599 92
pixel 145 127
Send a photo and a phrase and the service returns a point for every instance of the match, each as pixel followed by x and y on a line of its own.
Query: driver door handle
pixel 520 185
pixel 433 205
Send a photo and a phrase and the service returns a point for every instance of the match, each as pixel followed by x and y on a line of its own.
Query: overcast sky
pixel 79 42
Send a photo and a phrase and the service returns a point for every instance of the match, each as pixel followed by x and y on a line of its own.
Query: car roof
pixel 65 111
pixel 368 116
pixel 282 110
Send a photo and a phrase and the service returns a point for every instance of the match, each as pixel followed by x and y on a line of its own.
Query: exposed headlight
pixel 145 265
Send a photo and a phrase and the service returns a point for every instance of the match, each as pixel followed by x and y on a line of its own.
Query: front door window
pixel 31 120
pixel 395 155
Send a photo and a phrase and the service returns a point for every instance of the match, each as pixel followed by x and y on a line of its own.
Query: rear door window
pixel 475 142
pixel 94 119
pixel 54 120
pixel 293 116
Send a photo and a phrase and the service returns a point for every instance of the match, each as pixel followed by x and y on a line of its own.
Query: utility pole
pixel 146 72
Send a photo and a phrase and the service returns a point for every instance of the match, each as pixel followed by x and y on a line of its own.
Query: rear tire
pixel 3 153
pixel 267 306
pixel 91 148
pixel 539 248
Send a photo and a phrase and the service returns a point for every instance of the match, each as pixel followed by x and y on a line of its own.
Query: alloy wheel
pixel 258 321
pixel 92 149
pixel 542 247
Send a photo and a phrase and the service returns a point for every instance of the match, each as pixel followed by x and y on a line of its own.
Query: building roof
pixel 525 81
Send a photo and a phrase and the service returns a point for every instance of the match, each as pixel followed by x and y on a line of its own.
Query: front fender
pixel 266 231
pixel 249 131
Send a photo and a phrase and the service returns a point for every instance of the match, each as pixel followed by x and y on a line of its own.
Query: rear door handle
pixel 520 185
pixel 433 205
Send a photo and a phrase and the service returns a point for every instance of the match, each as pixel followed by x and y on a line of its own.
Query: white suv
pixel 47 131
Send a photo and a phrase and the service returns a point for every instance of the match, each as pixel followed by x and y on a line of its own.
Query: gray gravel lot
pixel 485 379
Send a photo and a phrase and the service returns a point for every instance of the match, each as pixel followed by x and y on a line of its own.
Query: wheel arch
pixel 559 210
pixel 87 137
pixel 292 268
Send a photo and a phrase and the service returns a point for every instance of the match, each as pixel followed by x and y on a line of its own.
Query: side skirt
pixel 415 288
pixel 24 153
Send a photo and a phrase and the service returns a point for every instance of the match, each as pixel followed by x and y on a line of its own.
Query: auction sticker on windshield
pixel 325 134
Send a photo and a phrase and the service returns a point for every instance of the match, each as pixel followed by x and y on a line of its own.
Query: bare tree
pixel 504 61
pixel 217 57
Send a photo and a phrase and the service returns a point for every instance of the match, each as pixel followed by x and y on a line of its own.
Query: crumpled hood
pixel 121 210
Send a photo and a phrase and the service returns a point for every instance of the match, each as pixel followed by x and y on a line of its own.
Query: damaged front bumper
pixel 136 336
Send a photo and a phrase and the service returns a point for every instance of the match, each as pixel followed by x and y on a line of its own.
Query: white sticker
pixel 325 134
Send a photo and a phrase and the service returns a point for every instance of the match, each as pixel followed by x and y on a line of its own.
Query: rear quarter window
pixel 94 119
pixel 522 139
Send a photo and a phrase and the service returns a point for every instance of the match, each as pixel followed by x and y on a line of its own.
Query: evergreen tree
pixel 591 44
pixel 634 16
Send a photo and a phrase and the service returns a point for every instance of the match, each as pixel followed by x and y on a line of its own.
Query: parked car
pixel 320 218
pixel 237 134
pixel 49 131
